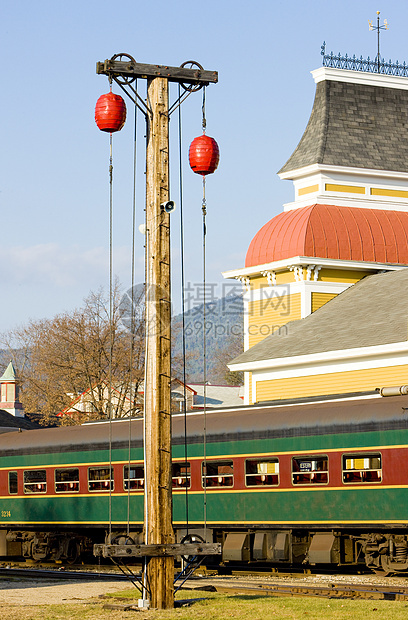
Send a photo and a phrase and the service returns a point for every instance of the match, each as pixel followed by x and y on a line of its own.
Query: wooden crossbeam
pixel 194 76
pixel 172 550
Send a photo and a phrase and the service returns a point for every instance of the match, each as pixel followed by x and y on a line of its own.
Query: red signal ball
pixel 204 155
pixel 110 112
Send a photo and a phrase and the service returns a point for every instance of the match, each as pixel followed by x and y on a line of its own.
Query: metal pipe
pixel 394 391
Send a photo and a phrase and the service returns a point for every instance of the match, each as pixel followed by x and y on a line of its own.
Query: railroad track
pixel 235 586
pixel 340 591
pixel 43 573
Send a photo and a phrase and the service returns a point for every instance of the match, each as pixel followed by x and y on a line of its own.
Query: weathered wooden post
pixel 159 545
pixel 157 388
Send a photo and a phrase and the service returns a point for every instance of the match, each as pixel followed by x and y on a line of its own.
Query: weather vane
pixel 378 28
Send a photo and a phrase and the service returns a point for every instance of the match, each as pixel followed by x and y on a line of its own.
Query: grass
pixel 219 607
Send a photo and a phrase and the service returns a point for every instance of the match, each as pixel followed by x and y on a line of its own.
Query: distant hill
pixel 224 323
pixel 224 327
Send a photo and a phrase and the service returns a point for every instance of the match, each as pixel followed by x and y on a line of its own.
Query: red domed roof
pixel 328 231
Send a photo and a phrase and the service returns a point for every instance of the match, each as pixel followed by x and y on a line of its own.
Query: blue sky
pixel 54 161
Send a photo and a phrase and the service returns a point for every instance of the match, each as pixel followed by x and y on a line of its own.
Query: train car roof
pixel 252 422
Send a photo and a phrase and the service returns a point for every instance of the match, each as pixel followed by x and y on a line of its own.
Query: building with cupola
pixel 9 393
pixel 325 281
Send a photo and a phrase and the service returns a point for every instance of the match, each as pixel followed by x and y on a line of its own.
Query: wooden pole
pixel 158 520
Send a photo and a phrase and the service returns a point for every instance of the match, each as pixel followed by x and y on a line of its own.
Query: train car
pixel 282 483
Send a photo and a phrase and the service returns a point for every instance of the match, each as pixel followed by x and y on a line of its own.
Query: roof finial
pixel 378 28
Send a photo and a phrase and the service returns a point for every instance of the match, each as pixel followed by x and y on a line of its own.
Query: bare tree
pixel 80 362
pixel 226 354
pixel 180 364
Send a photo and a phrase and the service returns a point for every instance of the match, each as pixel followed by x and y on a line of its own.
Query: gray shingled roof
pixel 11 422
pixel 217 395
pixel 355 125
pixel 372 312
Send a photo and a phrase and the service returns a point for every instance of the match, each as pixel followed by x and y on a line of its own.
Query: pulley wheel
pixel 191 64
pixel 122 79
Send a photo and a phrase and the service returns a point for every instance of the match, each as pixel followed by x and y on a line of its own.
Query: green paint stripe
pixel 295 445
pixel 246 449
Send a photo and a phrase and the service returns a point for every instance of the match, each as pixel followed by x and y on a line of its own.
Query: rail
pixel 368 65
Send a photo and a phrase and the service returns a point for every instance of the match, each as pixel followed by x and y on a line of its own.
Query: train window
pixel 310 470
pixel 217 474
pixel 362 468
pixel 35 481
pixel 12 482
pixel 100 478
pixel 67 480
pixel 262 472
pixel 181 476
pixel 133 476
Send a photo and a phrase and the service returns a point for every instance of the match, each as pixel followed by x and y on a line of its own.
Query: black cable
pixel 110 328
pixel 132 315
pixel 182 306
pixel 204 211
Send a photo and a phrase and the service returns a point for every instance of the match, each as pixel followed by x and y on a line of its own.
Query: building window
pixel 181 476
pixel 10 393
pixel 67 480
pixel 310 470
pixel 35 481
pixel 133 477
pixel 217 474
pixel 362 468
pixel 262 472
pixel 12 483
pixel 100 478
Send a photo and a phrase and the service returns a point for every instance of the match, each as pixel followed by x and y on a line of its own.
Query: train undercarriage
pixel 383 552
pixel 52 546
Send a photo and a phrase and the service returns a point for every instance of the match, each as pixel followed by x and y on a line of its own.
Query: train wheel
pixel 391 568
pixel 73 552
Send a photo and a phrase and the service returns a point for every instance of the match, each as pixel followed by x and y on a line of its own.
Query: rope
pixel 204 121
pixel 132 395
pixel 110 326
pixel 146 506
pixel 182 306
pixel 204 211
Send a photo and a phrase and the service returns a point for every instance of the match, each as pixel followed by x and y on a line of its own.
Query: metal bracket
pixel 157 551
pixel 131 92
pixel 123 69
pixel 132 69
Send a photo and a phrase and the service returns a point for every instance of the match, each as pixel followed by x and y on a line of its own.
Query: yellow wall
pixel 332 383
pixel 324 275
pixel 282 277
pixel 267 315
pixel 260 282
pixel 349 189
pixel 395 193
pixel 319 299
pixel 308 190
pixel 341 275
